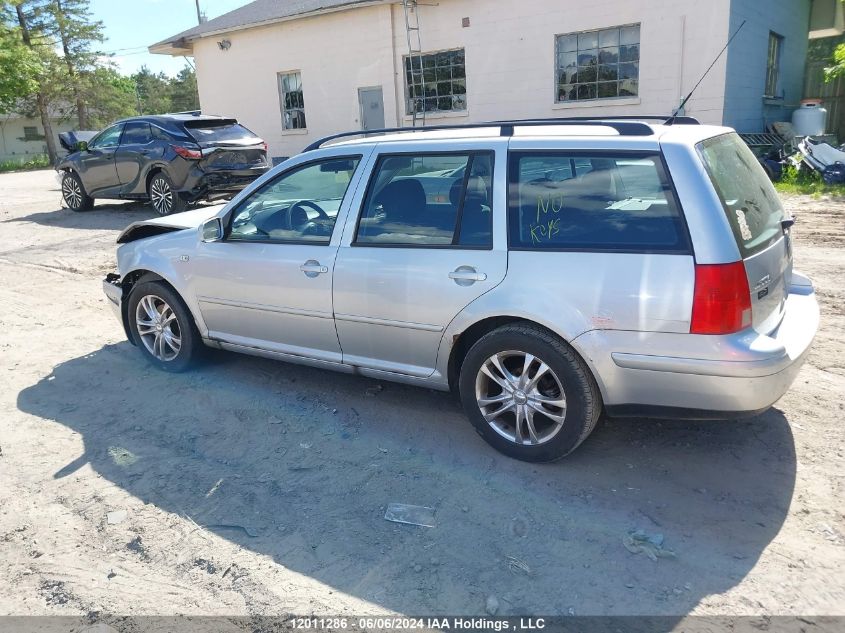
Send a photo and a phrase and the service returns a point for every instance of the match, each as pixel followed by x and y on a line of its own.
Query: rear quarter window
pixel 748 197
pixel 593 202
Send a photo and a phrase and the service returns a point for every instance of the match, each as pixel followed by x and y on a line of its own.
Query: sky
pixel 132 25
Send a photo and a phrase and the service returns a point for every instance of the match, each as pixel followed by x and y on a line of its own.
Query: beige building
pixel 295 71
pixel 22 138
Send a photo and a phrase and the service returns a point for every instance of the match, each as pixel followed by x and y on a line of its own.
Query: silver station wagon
pixel 547 271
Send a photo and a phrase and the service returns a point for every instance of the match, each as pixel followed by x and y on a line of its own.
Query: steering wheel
pixel 301 205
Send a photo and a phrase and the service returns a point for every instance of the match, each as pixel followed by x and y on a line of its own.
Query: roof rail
pixel 624 125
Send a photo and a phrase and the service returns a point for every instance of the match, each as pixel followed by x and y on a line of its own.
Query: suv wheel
pixel 74 194
pixel 528 394
pixel 162 327
pixel 164 198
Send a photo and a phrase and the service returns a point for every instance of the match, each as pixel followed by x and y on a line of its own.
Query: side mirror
pixel 212 230
pixel 82 146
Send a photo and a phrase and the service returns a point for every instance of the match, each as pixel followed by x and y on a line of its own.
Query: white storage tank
pixel 810 118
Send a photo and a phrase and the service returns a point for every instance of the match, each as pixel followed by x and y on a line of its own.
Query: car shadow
pixel 299 464
pixel 106 215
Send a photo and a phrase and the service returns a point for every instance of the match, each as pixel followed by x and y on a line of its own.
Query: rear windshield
pixel 204 131
pixel 750 201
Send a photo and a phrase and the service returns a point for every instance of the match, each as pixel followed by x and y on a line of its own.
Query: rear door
pixel 757 220
pixel 409 262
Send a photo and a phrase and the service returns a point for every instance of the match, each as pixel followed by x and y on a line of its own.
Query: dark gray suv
pixel 170 160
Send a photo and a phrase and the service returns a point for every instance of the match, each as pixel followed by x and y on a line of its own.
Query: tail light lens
pixel 264 145
pixel 722 301
pixel 184 152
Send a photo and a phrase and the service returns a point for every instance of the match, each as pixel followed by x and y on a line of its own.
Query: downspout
pixel 398 105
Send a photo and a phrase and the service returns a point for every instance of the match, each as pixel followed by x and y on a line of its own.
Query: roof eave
pixel 177 48
pixel 184 45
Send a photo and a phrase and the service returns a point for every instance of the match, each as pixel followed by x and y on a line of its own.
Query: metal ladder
pixel 412 30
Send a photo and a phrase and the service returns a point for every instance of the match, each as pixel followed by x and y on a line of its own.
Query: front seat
pixel 403 201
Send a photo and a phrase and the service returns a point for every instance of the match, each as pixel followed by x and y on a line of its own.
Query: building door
pixel 371 101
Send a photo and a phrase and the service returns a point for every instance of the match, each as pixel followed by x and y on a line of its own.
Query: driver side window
pixel 109 138
pixel 298 206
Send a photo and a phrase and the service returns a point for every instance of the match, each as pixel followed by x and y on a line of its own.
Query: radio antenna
pixel 709 68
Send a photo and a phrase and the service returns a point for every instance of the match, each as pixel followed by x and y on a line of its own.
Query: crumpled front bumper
pixel 114 293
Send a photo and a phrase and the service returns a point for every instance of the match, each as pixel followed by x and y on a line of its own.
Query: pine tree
pixel 34 35
pixel 78 35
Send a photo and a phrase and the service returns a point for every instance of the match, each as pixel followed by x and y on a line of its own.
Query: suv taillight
pixel 722 302
pixel 264 144
pixel 184 152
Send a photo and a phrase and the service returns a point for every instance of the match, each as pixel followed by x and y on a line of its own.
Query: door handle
pixel 466 275
pixel 312 268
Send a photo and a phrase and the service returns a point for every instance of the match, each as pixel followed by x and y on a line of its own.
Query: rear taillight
pixel 722 302
pixel 264 145
pixel 184 152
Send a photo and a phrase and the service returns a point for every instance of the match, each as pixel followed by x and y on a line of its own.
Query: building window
pixel 601 64
pixel 436 82
pixel 32 134
pixel 773 64
pixel 293 103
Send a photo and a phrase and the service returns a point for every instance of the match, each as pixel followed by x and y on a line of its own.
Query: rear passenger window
pixel 598 202
pixel 429 200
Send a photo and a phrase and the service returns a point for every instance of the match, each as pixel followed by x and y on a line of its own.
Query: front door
pixel 422 250
pixel 372 108
pixel 268 283
pixel 97 168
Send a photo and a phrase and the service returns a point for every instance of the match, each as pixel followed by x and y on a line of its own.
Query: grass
pixel 806 181
pixel 38 161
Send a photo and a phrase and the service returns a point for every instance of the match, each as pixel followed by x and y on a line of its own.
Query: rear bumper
pixel 201 183
pixel 736 374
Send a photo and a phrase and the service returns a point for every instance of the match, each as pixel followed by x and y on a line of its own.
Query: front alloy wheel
pixel 158 328
pixel 520 397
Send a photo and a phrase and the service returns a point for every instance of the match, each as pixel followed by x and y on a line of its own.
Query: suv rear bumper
pixel 707 376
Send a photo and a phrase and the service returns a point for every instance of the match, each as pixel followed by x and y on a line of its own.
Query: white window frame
pixel 288 113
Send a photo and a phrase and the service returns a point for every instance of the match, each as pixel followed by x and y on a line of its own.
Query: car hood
pixel 167 224
pixel 68 140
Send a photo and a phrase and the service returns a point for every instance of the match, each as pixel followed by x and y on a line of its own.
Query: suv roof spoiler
pixel 627 125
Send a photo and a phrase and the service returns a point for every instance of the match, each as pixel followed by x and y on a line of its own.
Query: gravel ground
pixel 256 487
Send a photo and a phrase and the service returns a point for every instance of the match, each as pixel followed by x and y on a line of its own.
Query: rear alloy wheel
pixel 528 394
pixel 74 194
pixel 164 198
pixel 162 326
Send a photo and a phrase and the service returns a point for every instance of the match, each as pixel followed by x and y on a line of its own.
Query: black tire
pixel 162 296
pixel 583 403
pixel 163 196
pixel 73 193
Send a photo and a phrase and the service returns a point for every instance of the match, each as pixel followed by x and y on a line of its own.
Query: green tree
pixel 78 35
pixel 115 96
pixel 153 91
pixel 19 67
pixel 183 91
pixel 34 33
